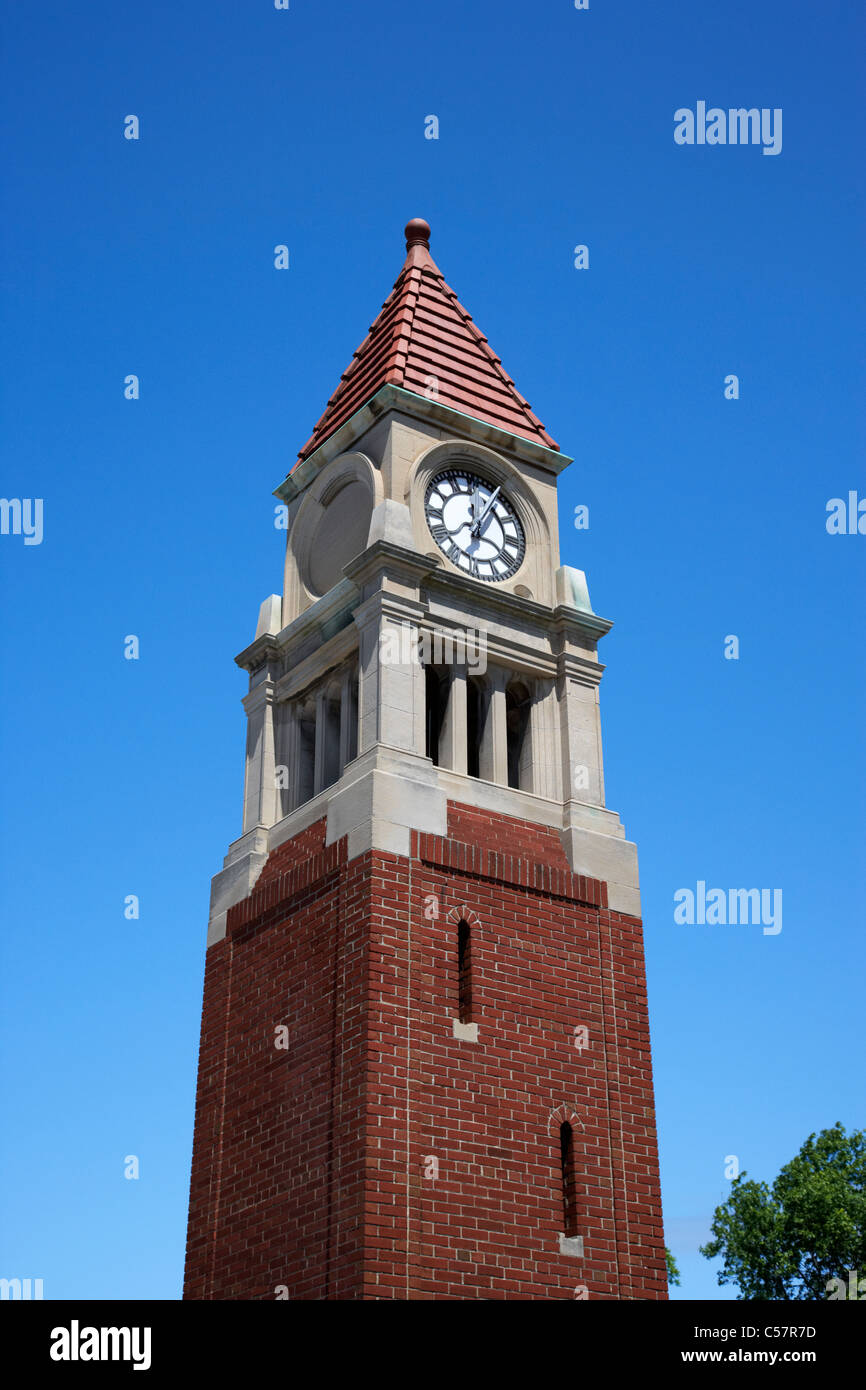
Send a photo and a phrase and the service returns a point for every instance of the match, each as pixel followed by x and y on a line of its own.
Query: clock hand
pixel 476 525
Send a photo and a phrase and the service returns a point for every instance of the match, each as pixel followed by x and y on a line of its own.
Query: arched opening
pixel 569 1190
pixel 306 751
pixel 436 695
pixel 330 736
pixel 464 972
pixel 284 757
pixel 518 705
pixel 474 725
pixel 351 717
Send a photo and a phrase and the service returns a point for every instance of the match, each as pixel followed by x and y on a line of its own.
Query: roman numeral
pixel 439 533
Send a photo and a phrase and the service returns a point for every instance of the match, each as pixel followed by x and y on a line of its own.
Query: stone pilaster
pixel 260 782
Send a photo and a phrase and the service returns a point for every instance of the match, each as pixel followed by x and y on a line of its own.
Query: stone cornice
pixel 384 557
pixel 486 596
pixel 508 654
pixel 579 668
pixel 587 624
pixel 259 653
pixel 261 694
pixel 398 607
pixel 330 654
pixel 323 617
pixel 395 399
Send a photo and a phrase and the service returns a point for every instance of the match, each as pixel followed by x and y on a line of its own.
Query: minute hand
pixel 476 525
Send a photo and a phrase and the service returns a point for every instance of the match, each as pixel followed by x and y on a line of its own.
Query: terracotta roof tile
pixel 423 331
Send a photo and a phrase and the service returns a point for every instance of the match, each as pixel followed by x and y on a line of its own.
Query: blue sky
pixel 707 518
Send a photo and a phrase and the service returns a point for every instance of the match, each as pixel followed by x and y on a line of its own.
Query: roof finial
pixel 417 233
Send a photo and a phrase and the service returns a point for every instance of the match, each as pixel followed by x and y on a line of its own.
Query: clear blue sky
pixel 707 518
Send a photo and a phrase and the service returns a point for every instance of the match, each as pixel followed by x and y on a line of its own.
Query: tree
pixel 789 1241
pixel 673 1270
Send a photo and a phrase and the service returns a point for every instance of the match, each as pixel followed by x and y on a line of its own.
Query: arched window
pixel 517 707
pixel 306 750
pixel 474 726
pixel 351 717
pixel 464 972
pixel 435 696
pixel 569 1191
pixel 328 711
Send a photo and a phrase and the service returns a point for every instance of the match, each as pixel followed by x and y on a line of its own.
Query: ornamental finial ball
pixel 417 233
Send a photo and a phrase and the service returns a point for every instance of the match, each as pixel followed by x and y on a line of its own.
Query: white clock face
pixel 474 524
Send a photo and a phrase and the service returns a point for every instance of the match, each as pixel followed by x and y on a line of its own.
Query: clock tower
pixel 425 1059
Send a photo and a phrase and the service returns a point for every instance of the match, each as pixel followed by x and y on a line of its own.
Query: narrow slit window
pixel 464 973
pixel 569 1193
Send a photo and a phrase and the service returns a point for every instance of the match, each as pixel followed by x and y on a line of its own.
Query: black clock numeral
pixel 440 533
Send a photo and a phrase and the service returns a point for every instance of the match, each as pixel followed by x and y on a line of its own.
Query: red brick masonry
pixel 313 1173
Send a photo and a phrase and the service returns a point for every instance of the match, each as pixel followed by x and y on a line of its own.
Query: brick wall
pixel 380 1156
pixel 277 1173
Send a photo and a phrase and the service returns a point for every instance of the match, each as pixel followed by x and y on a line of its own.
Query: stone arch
pixel 465 924
pixel 518 714
pixel 563 1113
pixel 464 913
pixel 312 567
pixel 450 453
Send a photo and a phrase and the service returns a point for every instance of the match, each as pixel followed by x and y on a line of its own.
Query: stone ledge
pixel 571 1245
pixel 466 1032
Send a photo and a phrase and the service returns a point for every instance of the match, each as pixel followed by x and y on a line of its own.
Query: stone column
pixel 287 754
pixel 348 718
pixel 452 739
pixel 493 754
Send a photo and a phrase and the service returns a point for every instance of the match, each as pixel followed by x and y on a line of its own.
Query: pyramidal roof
pixel 425 342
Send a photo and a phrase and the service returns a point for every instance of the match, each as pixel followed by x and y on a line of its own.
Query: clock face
pixel 475 525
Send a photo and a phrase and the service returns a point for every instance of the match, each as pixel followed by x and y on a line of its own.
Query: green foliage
pixel 789 1241
pixel 673 1271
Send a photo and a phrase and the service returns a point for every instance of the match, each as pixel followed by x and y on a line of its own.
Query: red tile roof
pixel 423 331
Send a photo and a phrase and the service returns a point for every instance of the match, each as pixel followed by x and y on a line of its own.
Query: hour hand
pixel 476 525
